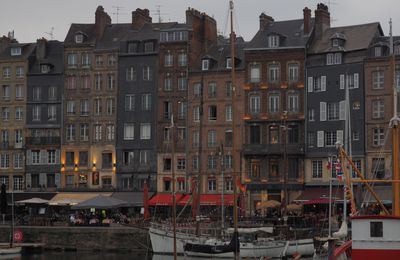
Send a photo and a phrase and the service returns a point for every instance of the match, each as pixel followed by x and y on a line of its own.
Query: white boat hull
pixel 10 250
pixel 304 247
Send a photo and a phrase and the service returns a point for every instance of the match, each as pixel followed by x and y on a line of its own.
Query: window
pixel 6 113
pixel 182 83
pixel 18 138
pixel 319 84
pixel 128 157
pixel 167 110
pixel 182 59
pixel 51 156
pixel 97 106
pixel 197 89
pixel 99 60
pixel 146 102
pixel 212 138
pixel 378 136
pixel 4 137
pixel 83 158
pixel 4 161
pixel 212 185
pixel 18 160
pixel 330 138
pixel 181 133
pixel 35 156
pixel 98 81
pixel 84 107
pixel 45 68
pixel 111 60
pixel 78 38
pixel 195 162
pixel 378 167
pixel 15 51
pixel 144 157
pixel 311 139
pixel 212 162
pixel 36 93
pixel 357 163
pixel 72 59
pixel 196 138
pixel 212 113
pixel 84 132
pixel 228 89
pixel 397 49
pixel 167 185
pixel 228 161
pixel 255 169
pixel 147 73
pixel 378 109
pixel 133 47
pixel 377 79
pixel 18 113
pixel 110 106
pixel 71 108
pixel 70 158
pixel 273 169
pixel 167 162
pixel 311 114
pixel 273 73
pixel 106 159
pixel 167 134
pixel 228 138
pixel 273 103
pixel 273 41
pixel 317 169
pixel 167 83
pixel 19 72
pixel 71 83
pixel 148 47
pixel 181 110
pixel 333 111
pixel 129 102
pixel 70 132
pixel 356 136
pixel 181 164
pixel 378 51
pixel 19 94
pixel 212 90
pixel 255 104
pixel 129 131
pixel 52 93
pixel 6 72
pixel 130 74
pixel 168 59
pixel 18 182
pixel 110 81
pixel 36 113
pixel 293 72
pixel 97 132
pixel 85 59
pixel 376 229
pixel 356 105
pixel 255 134
pixel 293 103
pixel 228 113
pixel 293 134
pixel 196 113
pixel 274 134
pixel 6 92
pixel 205 64
pixel 145 131
pixel 181 184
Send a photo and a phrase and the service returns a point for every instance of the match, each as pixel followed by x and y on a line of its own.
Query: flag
pixel 329 163
pixel 339 172
pixel 146 213
pixel 240 185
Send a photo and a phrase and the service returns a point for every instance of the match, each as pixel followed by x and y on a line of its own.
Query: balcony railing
pixel 264 149
pixel 43 140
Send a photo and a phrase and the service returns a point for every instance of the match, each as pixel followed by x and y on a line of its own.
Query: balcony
pixel 269 149
pixel 43 140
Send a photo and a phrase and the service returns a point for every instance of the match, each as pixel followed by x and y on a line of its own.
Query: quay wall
pixel 119 238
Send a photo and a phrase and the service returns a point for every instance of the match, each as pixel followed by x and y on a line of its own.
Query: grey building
pixel 44 116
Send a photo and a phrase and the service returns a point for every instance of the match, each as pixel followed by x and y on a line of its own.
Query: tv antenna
pixel 158 13
pixel 117 9
pixel 329 3
pixel 51 33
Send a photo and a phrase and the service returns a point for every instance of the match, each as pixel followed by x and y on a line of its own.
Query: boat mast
pixel 394 124
pixel 173 184
pixel 235 208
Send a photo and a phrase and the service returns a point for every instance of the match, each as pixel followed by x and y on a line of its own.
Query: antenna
pixel 117 8
pixel 51 33
pixel 329 3
pixel 158 13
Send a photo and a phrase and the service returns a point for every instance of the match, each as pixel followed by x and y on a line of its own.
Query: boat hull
pixel 304 247
pixel 369 254
pixel 10 250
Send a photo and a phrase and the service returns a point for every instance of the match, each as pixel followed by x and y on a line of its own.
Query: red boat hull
pixel 373 254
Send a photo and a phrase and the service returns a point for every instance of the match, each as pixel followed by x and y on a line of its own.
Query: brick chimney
pixel 265 20
pixel 41 48
pixel 4 42
pixel 102 19
pixel 140 17
pixel 306 20
pixel 322 20
pixel 204 31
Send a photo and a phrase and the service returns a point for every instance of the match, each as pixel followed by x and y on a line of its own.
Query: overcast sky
pixel 33 19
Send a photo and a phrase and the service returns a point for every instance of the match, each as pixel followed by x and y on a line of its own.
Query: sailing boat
pixel 11 249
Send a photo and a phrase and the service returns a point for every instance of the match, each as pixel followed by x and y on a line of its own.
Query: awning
pixel 319 195
pixel 164 199
pixel 72 198
pixel 29 195
pixel 134 199
pixel 209 200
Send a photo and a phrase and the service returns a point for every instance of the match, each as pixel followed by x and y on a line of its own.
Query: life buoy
pixel 18 236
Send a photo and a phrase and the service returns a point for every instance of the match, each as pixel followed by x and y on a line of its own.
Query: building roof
pixel 291 32
pixel 26 50
pixel 87 29
pixel 112 36
pixel 54 57
pixel 357 37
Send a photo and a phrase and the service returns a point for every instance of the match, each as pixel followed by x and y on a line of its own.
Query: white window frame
pixel 205 64
pixel 129 131
pixel 145 131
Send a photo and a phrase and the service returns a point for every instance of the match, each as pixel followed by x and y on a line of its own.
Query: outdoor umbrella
pixel 101 202
pixel 33 201
pixel 269 204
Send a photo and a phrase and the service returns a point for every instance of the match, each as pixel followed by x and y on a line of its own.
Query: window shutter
pixel 43 157
pixel 339 136
pixel 58 153
pixel 310 84
pixel 355 80
pixel 323 83
pixel 322 111
pixel 42 179
pixel 57 179
pixel 28 157
pixel 320 139
pixel 342 111
pixel 28 180
pixel 341 81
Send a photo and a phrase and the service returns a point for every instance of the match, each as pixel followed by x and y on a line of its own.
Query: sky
pixel 34 19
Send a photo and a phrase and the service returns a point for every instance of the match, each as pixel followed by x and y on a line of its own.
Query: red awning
pixel 319 195
pixel 208 200
pixel 167 179
pixel 180 179
pixel 164 199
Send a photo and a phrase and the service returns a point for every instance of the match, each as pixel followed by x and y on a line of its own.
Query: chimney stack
pixel 41 48
pixel 102 19
pixel 4 42
pixel 140 17
pixel 322 20
pixel 306 20
pixel 265 20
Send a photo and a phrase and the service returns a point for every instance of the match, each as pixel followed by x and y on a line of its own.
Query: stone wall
pixel 84 238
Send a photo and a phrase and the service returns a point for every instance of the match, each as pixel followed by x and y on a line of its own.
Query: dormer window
pixel 45 68
pixel 133 47
pixel 15 51
pixel 78 38
pixel 273 41
pixel 149 47
pixel 229 63
pixel 335 42
pixel 205 64
pixel 378 51
pixel 396 49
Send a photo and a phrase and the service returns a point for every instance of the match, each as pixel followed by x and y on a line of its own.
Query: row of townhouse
pixel 117 104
